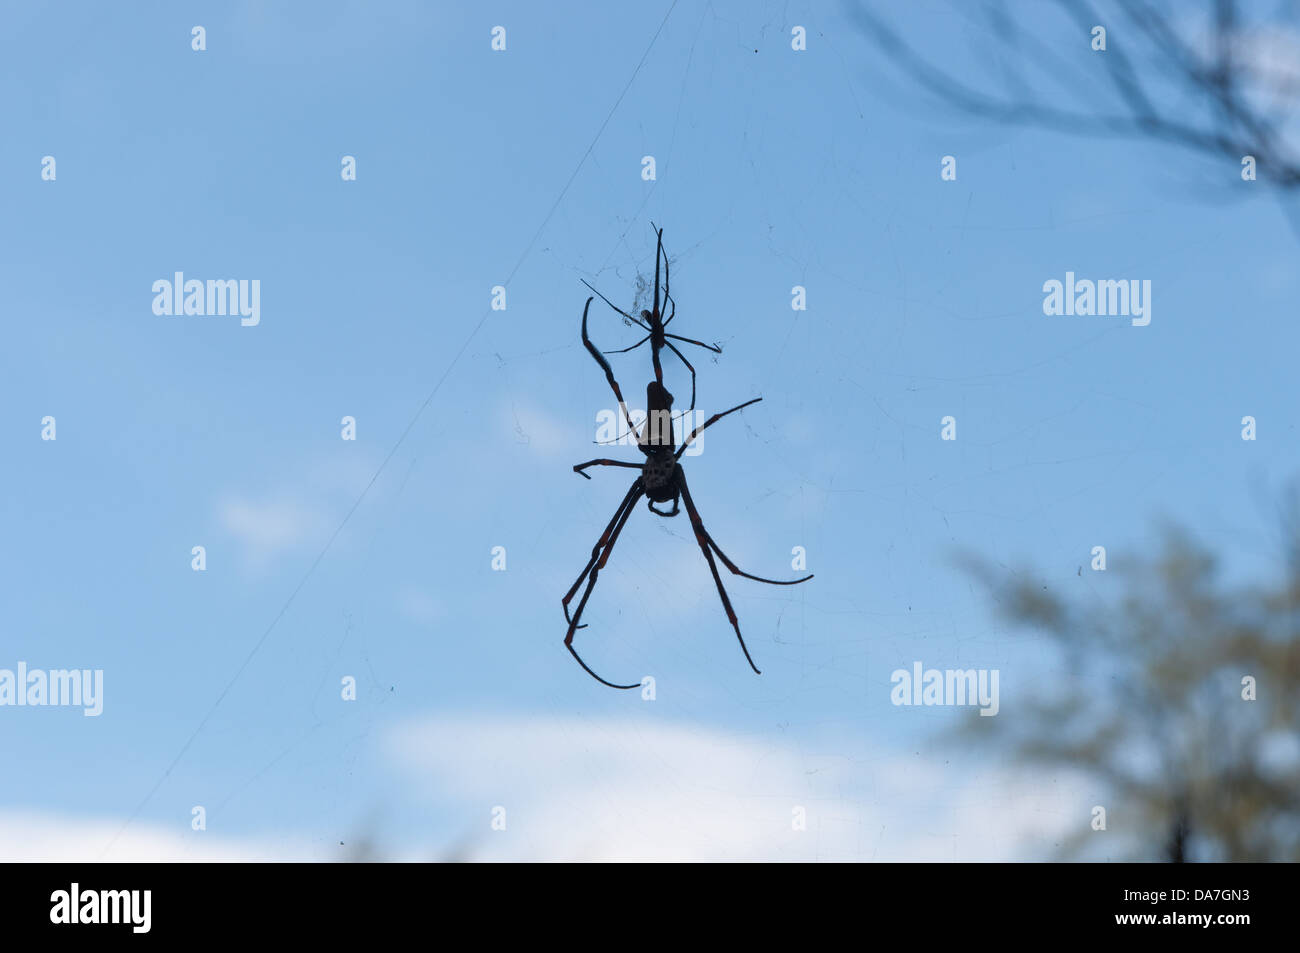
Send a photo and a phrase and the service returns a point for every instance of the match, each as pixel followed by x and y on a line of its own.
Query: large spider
pixel 654 324
pixel 661 480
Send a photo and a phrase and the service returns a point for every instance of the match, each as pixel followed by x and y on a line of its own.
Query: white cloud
pixel 580 790
pixel 627 790
pixel 35 836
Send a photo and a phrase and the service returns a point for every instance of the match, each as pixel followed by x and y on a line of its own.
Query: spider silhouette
pixel 661 480
pixel 654 324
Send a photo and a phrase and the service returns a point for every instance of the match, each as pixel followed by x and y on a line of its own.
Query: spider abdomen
pixel 658 472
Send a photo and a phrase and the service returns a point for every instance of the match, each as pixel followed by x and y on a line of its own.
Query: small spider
pixel 653 323
pixel 661 480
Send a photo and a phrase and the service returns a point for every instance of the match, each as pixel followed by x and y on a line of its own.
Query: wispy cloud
pixel 269 528
pixel 287 516
pixel 418 606
pixel 542 432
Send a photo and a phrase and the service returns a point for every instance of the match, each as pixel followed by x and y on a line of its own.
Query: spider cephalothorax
pixel 661 480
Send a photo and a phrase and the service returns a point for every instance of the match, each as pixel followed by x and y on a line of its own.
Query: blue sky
pixel 775 168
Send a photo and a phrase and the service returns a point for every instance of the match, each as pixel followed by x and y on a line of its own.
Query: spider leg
pixel 702 537
pixel 659 249
pixel 632 348
pixel 710 422
pixel 650 504
pixel 604 364
pixel 586 668
pixel 637 321
pixel 740 572
pixel 579 467
pixel 628 501
pixel 656 319
pixel 736 570
pixel 599 557
pixel 712 347
pixel 682 358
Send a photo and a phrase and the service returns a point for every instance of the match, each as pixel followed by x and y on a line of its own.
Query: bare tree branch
pixel 1225 87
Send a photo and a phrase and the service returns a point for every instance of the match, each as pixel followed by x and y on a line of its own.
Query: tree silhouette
pixel 1205 77
pixel 1156 704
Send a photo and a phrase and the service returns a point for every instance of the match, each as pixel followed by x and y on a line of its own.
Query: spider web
pixel 770 174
